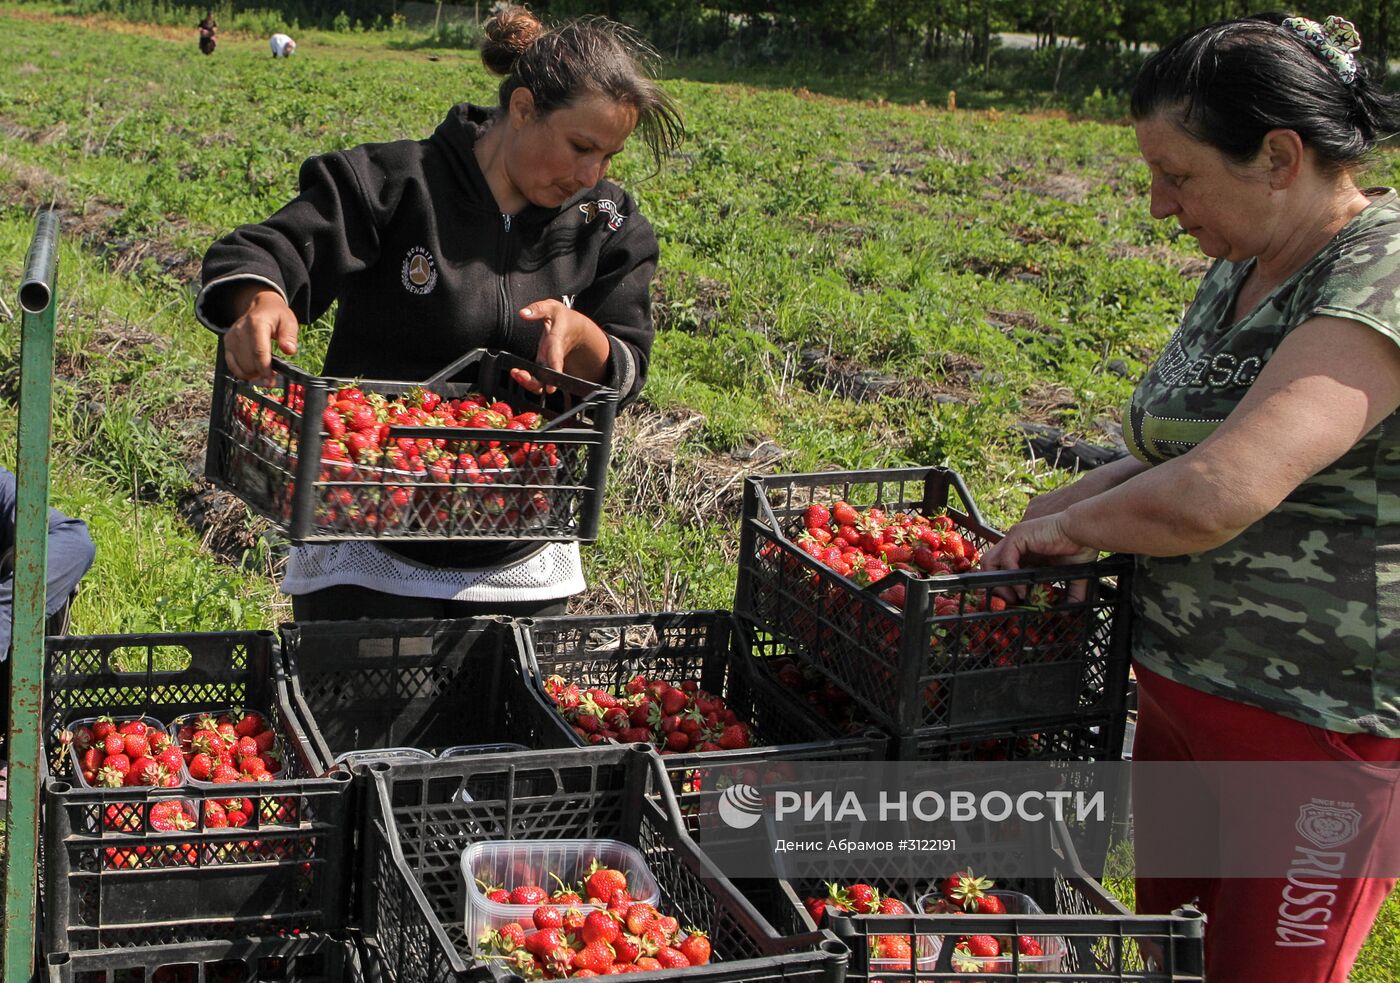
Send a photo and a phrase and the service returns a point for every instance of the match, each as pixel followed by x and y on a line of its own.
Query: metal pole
pixel 36 298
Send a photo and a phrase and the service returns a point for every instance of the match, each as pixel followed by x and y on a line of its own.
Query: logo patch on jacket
pixel 592 209
pixel 419 273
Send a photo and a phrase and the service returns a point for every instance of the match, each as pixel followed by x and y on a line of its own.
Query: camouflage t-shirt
pixel 1299 613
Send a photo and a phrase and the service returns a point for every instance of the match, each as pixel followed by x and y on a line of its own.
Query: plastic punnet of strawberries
pixel 124 752
pixel 966 893
pixel 230 746
pixel 674 719
pixel 594 928
pixel 887 951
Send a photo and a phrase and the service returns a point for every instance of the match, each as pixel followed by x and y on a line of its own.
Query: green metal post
pixel 37 300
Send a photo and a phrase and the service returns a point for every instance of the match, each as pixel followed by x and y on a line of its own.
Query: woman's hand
pixel 570 342
pixel 1037 543
pixel 248 342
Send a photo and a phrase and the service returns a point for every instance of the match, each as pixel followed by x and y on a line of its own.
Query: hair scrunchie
pixel 1335 40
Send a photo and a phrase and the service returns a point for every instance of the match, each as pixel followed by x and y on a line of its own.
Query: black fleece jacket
pixel 408 238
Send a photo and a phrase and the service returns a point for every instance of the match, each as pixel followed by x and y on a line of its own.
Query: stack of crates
pixel 122 897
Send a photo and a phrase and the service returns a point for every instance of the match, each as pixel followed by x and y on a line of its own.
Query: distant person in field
pixel 70 555
pixel 282 46
pixel 500 230
pixel 1260 497
pixel 208 33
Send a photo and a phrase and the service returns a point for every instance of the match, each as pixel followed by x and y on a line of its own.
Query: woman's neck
pixel 489 150
pixel 1313 228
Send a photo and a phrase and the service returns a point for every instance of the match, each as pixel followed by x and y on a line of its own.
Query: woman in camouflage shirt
pixel 1262 496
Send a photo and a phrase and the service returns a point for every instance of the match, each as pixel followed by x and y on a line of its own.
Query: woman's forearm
pixel 1092 483
pixel 1168 510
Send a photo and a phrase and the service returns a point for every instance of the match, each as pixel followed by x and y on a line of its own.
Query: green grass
pixel 992 267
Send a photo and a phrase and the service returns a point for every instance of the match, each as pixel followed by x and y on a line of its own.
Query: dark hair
pixel 1232 82
pixel 590 55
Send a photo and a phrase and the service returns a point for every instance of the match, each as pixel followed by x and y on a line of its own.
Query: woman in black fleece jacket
pixel 498 231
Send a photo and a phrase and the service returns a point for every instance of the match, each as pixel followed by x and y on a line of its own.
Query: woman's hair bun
pixel 506 35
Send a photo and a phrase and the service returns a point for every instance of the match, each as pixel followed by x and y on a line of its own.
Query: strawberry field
pixel 844 283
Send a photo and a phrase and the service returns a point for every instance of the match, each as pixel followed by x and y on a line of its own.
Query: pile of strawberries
pixel 595 929
pixel 867 546
pixel 130 752
pixel 400 472
pixel 237 746
pixel 672 718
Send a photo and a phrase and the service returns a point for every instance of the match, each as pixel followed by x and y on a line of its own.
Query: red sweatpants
pixel 1253 932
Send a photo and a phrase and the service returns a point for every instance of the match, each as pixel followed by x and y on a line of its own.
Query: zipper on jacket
pixel 501 282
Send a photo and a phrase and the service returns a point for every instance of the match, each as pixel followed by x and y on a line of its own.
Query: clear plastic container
pixel 189 718
pixel 1052 946
pixel 76 762
pixel 515 863
pixel 470 750
pixel 393 755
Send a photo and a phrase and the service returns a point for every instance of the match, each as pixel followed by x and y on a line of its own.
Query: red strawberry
pixel 734 736
pixel 225 773
pixel 892 906
pixel 528 894
pixel 639 916
pixel 863 898
pixel 1029 946
pixel 512 934
pixel 670 958
pixel 844 515
pixel 981 945
pixel 626 948
pixel 133 727
pixel 989 904
pixel 600 927
pixel 696 948
pixel 890 947
pixel 201 766
pixel 595 956
pixel 965 887
pixel 543 942
pixel 547 917
pixel 602 881
pixel 114 743
pixel 817 516
pixel 169 815
pixel 246 723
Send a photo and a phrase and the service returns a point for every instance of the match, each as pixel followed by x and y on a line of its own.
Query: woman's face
pixel 556 155
pixel 1224 204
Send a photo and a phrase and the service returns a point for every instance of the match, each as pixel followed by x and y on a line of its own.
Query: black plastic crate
pixel 1103 941
pixel 110 880
pixel 419 824
pixel 1081 738
pixel 918 671
pixel 309 958
pixel 359 685
pixel 266 447
pixel 705 646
